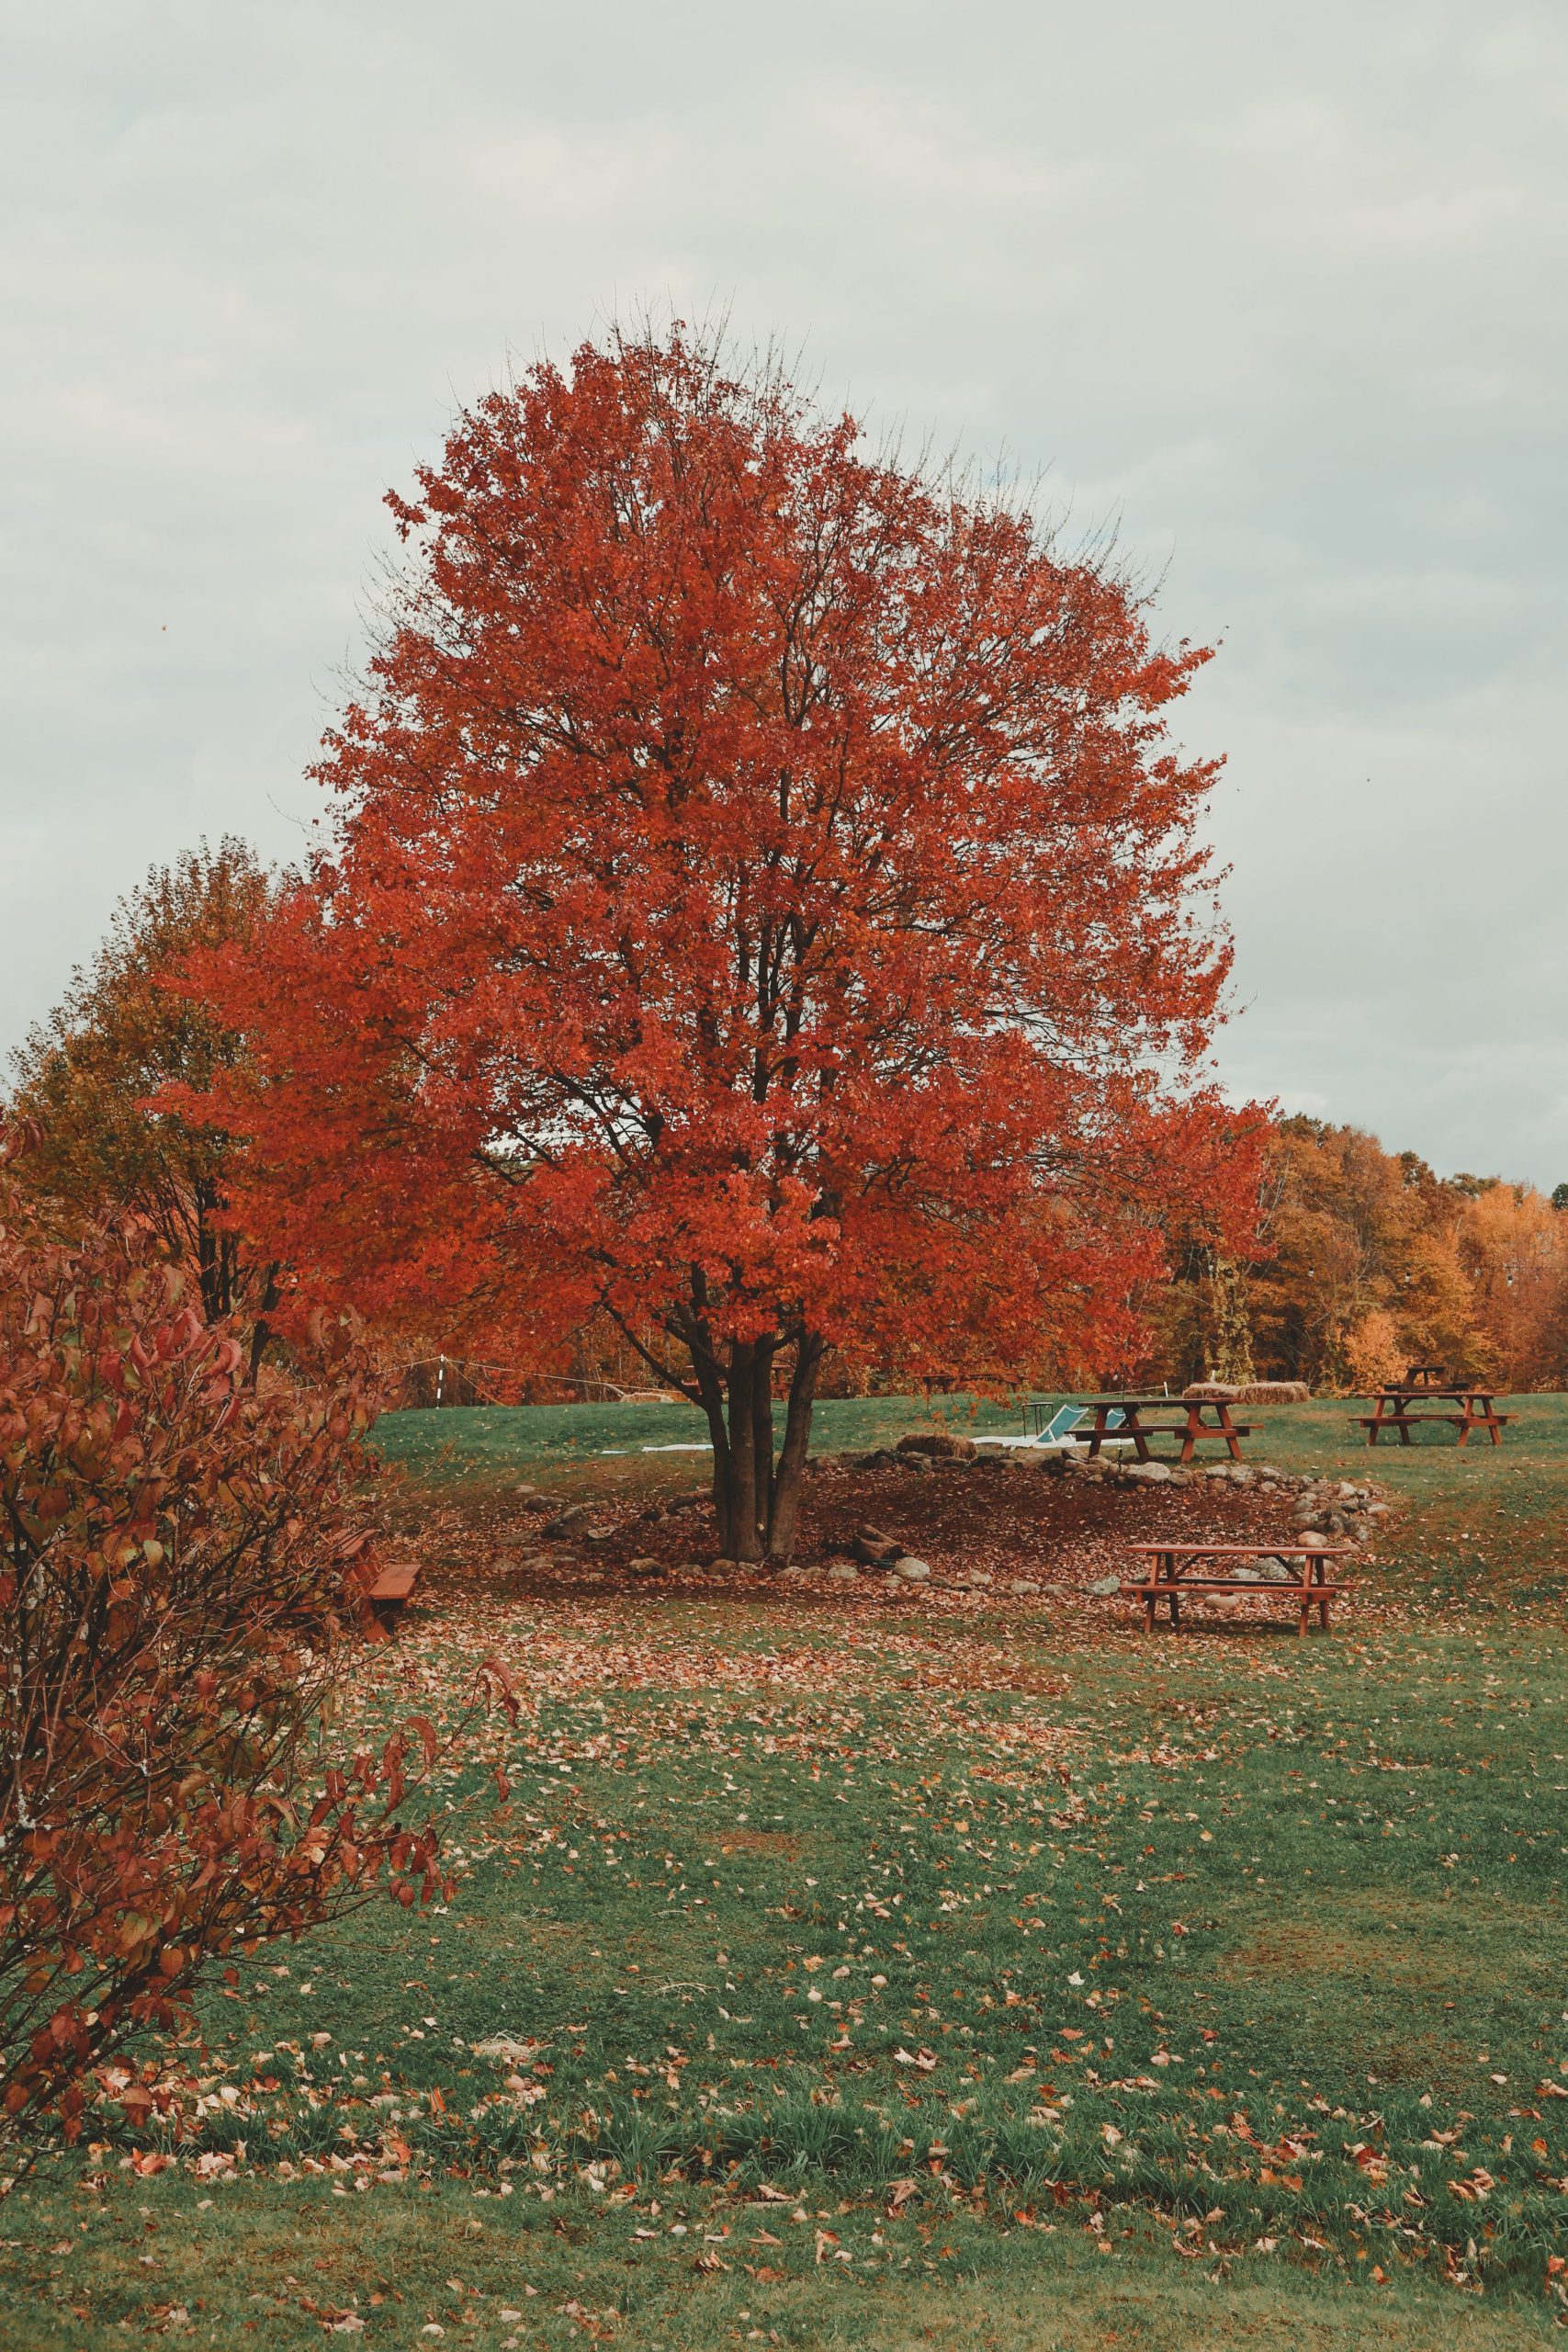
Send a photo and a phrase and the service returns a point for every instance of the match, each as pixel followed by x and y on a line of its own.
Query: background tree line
pixel 1367 1261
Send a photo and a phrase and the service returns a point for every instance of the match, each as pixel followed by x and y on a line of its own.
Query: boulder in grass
pixel 939 1445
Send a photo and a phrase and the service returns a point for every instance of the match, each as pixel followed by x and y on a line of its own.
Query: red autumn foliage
pixel 173 1615
pixel 763 915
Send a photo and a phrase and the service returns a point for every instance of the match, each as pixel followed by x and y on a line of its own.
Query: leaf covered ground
pixel 956 1967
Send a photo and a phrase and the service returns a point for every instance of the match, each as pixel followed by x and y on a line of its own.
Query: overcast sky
pixel 1279 288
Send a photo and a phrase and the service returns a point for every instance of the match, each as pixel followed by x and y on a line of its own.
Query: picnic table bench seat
pixel 390 1593
pixel 1457 1421
pixel 1173 1572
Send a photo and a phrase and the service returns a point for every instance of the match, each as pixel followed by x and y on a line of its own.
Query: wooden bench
pixel 1172 1575
pixel 389 1594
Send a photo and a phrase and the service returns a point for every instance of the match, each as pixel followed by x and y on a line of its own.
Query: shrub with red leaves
pixel 174 1613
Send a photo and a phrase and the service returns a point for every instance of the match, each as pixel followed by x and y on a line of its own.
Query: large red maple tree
pixel 764 907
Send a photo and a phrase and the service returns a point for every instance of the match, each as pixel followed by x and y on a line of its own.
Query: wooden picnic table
pixel 1402 1406
pixel 1184 1420
pixel 1173 1574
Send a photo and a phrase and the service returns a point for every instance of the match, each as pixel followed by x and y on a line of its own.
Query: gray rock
pixel 1248 1572
pixel 1274 1571
pixel 1148 1474
pixel 568 1521
pixel 644 1565
pixel 1104 1587
pixel 843 1571
pixel 913 1569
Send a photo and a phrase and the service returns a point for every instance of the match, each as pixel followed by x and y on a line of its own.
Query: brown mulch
pixel 1012 1522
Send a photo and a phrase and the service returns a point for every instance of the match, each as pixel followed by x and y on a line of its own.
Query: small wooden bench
pixel 1172 1575
pixel 389 1594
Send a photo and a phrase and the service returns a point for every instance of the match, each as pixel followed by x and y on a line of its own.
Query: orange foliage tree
pixel 762 899
pixel 1513 1247
pixel 87 1078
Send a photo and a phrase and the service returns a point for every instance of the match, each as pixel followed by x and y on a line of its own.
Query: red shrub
pixel 173 1614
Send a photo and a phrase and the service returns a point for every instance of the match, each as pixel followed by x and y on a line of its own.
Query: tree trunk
pixel 762 1437
pixel 755 1500
pixel 745 1536
pixel 786 1510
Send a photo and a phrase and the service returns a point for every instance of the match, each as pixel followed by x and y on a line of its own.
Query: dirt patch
pixel 761 1841
pixel 1012 1521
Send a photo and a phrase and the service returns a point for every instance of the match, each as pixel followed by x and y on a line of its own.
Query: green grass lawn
pixel 890 1978
pixel 475 1447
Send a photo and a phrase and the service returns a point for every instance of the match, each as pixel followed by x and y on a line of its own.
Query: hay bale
pixel 1218 1391
pixel 1274 1392
pixel 939 1445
